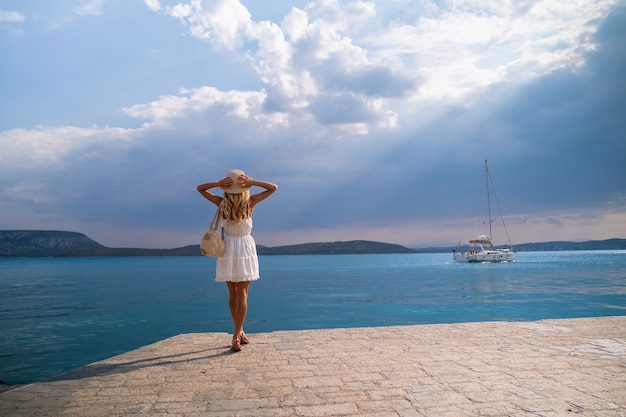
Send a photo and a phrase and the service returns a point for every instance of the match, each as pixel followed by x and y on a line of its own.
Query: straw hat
pixel 235 188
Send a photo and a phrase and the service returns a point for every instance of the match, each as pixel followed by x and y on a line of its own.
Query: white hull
pixel 495 255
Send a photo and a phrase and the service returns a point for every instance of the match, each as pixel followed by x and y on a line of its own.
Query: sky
pixel 373 117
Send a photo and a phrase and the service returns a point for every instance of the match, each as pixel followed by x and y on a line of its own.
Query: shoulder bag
pixel 212 243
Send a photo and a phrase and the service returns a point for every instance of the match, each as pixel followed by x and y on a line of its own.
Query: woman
pixel 239 265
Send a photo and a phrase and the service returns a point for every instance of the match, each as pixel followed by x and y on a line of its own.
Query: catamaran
pixel 481 247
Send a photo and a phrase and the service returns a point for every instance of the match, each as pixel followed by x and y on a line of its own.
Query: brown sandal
pixel 243 339
pixel 236 345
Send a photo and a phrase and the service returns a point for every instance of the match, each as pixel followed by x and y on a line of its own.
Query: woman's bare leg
pixel 241 305
pixel 232 299
pixel 238 305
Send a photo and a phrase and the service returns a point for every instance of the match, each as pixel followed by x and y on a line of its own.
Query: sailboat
pixel 481 247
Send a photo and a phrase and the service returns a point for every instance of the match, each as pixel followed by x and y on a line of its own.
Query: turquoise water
pixel 57 314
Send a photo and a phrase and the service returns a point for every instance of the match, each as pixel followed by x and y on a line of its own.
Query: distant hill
pixel 37 243
pixel 191 250
pixel 334 248
pixel 608 244
pixel 51 243
pixel 43 242
pixel 331 248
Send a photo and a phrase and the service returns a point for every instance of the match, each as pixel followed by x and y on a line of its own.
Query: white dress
pixel 240 261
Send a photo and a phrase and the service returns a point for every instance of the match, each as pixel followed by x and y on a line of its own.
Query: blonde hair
pixel 236 207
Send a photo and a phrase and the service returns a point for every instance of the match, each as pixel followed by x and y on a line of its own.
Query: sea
pixel 58 314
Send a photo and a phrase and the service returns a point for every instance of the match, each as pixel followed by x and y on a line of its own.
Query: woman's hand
pixel 226 182
pixel 245 181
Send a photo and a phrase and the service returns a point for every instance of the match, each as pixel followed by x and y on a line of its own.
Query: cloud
pixel 459 47
pixel 154 5
pixel 46 146
pixel 11 16
pixel 342 109
pixel 223 22
pixel 204 103
pixel 447 52
pixel 89 8
pixel 341 15
pixel 296 65
pixel 374 118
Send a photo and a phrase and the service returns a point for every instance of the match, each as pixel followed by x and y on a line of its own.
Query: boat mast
pixel 488 199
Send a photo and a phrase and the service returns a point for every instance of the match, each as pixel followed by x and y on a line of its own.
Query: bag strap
pixel 217 218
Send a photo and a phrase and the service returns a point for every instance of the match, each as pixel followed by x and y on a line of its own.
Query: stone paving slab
pixel 571 367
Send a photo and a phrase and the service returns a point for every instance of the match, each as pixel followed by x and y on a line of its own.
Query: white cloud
pixel 224 22
pixel 200 102
pixel 11 16
pixel 448 52
pixel 90 8
pixel 154 5
pixel 465 46
pixel 47 146
pixel 350 16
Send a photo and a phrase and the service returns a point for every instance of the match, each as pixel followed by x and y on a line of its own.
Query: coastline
pixel 50 243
